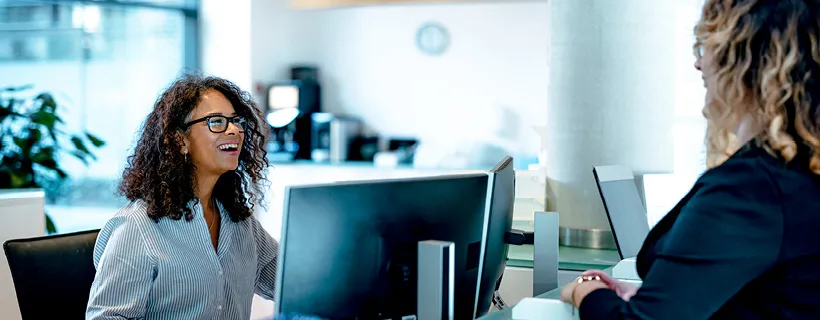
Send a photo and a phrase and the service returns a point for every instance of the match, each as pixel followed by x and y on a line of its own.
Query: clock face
pixel 432 39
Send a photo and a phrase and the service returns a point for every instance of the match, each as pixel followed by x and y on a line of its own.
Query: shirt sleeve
pixel 268 249
pixel 726 236
pixel 124 272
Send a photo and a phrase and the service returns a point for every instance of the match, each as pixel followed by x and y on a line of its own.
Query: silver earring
pixel 186 155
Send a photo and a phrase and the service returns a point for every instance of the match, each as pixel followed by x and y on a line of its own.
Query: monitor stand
pixel 545 258
pixel 436 285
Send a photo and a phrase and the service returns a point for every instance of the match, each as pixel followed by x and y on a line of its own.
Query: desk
pixel 569 258
pixel 506 314
pixel 518 277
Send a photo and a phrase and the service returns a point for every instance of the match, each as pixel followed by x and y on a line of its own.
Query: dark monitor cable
pixel 514 237
pixel 498 302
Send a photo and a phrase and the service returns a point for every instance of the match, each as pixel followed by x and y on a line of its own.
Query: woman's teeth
pixel 228 146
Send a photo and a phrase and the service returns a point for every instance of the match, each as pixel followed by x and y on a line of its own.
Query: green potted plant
pixel 32 139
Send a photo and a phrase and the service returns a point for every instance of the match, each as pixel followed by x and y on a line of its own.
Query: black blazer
pixel 743 244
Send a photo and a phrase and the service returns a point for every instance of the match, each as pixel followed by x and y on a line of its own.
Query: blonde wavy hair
pixel 767 60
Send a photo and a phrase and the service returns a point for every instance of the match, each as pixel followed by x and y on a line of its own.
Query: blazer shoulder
pixel 742 173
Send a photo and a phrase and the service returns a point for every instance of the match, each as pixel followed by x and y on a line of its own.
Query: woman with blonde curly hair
pixel 743 244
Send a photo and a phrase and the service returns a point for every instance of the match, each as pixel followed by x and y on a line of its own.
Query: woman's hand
pixel 624 290
pixel 575 292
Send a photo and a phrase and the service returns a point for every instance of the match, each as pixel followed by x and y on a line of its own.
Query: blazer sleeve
pixel 727 235
pixel 125 272
pixel 267 251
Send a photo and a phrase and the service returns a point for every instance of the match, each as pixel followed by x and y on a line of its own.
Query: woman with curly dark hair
pixel 188 246
pixel 743 243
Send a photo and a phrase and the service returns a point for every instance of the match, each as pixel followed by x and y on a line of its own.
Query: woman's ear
pixel 183 148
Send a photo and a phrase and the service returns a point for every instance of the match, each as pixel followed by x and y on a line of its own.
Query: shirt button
pixel 220 273
pixel 219 307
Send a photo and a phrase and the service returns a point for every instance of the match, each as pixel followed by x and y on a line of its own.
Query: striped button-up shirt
pixel 170 270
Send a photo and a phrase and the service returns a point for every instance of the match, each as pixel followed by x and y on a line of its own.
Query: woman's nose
pixel 233 128
pixel 697 64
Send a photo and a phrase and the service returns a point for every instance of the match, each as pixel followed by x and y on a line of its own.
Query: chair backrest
pixel 52 275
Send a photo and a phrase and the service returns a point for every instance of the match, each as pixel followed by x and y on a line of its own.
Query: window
pixel 106 63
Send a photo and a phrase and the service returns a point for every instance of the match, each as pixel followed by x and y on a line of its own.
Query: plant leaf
pixel 5 179
pixel 47 103
pixel 46 119
pixel 19 142
pixel 6 111
pixel 50 228
pixel 45 158
pixel 61 173
pixel 23 144
pixel 18 181
pixel 79 155
pixel 33 137
pixel 20 88
pixel 97 142
pixel 80 146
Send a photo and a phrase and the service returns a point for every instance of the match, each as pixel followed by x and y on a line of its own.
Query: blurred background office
pixel 105 62
pixel 422 88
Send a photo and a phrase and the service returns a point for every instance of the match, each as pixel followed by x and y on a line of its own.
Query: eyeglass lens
pixel 698 50
pixel 219 124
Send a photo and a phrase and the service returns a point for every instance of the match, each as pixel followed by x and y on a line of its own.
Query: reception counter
pixel 518 279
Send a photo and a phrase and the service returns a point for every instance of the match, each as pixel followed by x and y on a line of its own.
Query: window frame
pixel 189 10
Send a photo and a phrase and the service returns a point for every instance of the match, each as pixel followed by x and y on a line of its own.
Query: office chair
pixel 52 275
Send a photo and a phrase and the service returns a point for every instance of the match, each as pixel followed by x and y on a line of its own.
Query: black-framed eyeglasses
pixel 219 124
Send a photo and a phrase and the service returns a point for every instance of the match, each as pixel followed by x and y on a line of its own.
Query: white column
pixel 612 98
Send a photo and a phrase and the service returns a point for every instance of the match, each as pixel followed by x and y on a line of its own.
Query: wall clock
pixel 432 39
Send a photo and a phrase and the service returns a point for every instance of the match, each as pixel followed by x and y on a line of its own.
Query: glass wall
pixel 105 64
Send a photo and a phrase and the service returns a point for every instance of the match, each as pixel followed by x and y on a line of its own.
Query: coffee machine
pixel 291 105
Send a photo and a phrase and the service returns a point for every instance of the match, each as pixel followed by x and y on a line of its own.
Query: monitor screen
pixel 501 197
pixel 349 250
pixel 624 208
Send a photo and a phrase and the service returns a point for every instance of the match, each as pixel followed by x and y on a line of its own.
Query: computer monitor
pixel 624 208
pixel 500 199
pixel 348 250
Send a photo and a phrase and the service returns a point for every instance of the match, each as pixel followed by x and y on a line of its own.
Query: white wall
pixel 225 46
pixel 249 42
pixel 498 61
pixel 495 68
pixel 21 216
pixel 273 49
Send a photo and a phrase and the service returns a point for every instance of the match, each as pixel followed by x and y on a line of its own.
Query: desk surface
pixel 506 314
pixel 569 258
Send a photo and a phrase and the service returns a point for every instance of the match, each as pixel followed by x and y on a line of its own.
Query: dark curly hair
pixel 157 172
